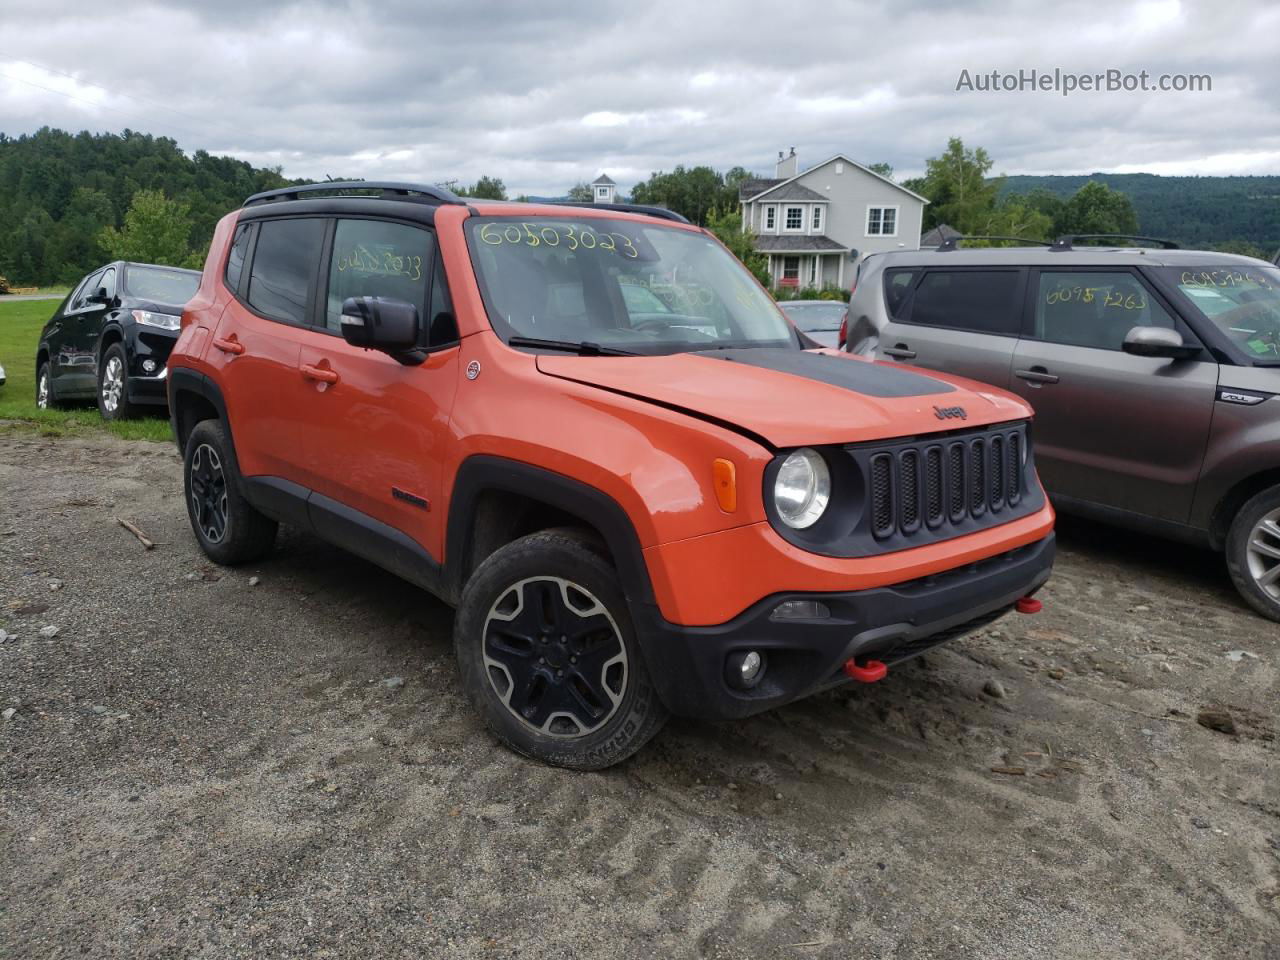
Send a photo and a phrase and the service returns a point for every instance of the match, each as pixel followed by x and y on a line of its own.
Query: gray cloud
pixel 544 95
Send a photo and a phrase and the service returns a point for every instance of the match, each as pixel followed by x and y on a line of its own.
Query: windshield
pixel 1243 302
pixel 631 286
pixel 815 317
pixel 159 285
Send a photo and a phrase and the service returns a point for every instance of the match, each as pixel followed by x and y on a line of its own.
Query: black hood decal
pixel 868 379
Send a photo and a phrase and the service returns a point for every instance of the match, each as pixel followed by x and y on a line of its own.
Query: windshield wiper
pixel 582 348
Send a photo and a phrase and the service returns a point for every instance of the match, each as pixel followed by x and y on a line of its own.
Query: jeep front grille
pixel 946 486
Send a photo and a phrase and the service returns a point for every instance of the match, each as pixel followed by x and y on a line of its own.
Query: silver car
pixel 820 320
pixel 1154 375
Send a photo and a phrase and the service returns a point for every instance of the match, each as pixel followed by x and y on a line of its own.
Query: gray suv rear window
pixel 981 300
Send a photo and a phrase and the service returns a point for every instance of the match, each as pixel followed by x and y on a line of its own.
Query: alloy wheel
pixel 42 390
pixel 209 493
pixel 112 384
pixel 555 657
pixel 1264 554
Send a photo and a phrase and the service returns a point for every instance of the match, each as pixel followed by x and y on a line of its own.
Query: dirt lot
pixel 201 767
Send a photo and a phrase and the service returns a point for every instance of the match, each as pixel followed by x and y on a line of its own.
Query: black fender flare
pixel 482 473
pixel 184 380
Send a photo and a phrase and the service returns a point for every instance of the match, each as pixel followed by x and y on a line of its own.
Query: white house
pixel 814 225
pixel 603 189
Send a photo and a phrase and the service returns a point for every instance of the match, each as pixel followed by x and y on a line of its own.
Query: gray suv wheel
pixel 1253 552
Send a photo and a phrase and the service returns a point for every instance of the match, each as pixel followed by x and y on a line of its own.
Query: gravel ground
pixel 200 764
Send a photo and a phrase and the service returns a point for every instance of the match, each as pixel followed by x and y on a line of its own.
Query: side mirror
pixel 379 323
pixel 100 299
pixel 1158 342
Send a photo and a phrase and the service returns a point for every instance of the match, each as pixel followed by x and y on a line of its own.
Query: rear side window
pixel 235 259
pixel 897 285
pixel 1094 309
pixel 284 264
pixel 984 301
pixel 375 258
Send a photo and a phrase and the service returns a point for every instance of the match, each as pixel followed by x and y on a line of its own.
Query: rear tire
pixel 230 531
pixel 548 654
pixel 1253 552
pixel 113 385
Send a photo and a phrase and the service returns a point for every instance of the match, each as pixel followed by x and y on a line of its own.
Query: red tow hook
pixel 869 672
pixel 1028 605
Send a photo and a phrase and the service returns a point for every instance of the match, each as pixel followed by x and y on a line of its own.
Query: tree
pixel 1096 208
pixel 1011 218
pixel 957 187
pixel 156 230
pixel 884 169
pixel 694 192
pixel 580 192
pixel 486 188
pixel 727 227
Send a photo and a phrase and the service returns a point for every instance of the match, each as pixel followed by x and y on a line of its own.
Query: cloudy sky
pixel 549 93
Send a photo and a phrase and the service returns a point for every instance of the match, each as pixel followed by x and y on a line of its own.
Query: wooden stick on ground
pixel 142 537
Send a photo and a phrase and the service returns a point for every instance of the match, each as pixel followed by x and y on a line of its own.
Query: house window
pixel 813 271
pixel 790 269
pixel 882 221
pixel 817 218
pixel 770 218
pixel 601 191
pixel 795 218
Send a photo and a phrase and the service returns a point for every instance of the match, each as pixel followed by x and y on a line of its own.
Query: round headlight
pixel 802 489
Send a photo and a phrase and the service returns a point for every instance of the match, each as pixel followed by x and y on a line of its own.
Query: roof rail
pixel 953 243
pixel 660 212
pixel 1068 242
pixel 390 191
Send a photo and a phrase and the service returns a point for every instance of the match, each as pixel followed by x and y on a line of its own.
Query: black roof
pixel 749 188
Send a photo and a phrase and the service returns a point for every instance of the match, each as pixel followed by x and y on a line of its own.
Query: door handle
pixel 319 373
pixel 233 347
pixel 900 352
pixel 1037 375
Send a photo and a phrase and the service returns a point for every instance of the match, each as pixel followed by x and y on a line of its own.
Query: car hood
pixel 790 398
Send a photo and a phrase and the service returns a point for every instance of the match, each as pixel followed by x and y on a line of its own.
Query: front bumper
pixel 890 624
pixel 154 345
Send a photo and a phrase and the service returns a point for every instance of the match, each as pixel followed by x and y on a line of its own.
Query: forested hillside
pixel 59 190
pixel 1194 211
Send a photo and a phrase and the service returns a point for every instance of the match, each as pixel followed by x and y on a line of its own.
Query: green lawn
pixel 20 324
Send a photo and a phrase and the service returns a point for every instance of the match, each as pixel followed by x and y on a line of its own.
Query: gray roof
pixel 795 191
pixel 749 188
pixel 1080 256
pixel 797 244
pixel 938 234
pixel 603 179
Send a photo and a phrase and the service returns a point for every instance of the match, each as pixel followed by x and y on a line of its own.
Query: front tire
pixel 230 531
pixel 548 654
pixel 113 385
pixel 1253 552
pixel 45 398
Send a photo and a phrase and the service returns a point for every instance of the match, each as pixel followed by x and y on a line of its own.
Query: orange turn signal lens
pixel 726 478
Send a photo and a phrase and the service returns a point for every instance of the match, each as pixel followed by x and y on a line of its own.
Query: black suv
pixel 111 338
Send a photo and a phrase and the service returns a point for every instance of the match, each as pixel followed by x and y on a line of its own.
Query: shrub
pixel 828 292
pixel 4 284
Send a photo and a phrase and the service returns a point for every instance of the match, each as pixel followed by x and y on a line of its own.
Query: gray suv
pixel 1154 374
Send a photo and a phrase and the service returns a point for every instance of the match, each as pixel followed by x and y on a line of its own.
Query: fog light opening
pixel 745 668
pixel 801 610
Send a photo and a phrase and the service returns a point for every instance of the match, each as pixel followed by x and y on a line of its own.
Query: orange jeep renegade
pixel 589 429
